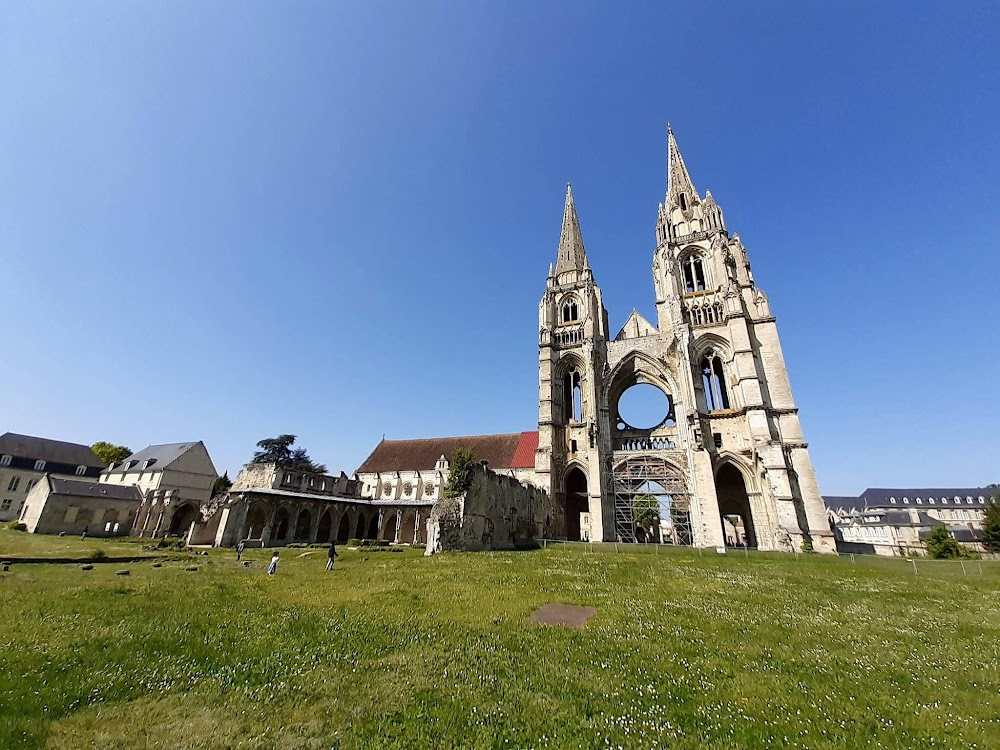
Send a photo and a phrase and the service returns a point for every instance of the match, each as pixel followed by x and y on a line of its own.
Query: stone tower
pixel 727 462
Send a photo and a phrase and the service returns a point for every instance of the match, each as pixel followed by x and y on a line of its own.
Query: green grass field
pixel 395 650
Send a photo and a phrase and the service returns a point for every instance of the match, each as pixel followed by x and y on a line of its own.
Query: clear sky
pixel 228 220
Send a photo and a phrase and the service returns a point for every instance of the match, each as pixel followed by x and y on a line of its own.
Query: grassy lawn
pixel 394 650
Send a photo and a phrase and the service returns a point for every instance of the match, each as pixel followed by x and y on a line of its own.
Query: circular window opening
pixel 642 407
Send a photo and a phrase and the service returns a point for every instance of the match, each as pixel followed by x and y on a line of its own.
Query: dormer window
pixel 5 460
pixel 570 311
pixel 81 470
pixel 148 462
pixel 694 275
pixel 129 464
pixel 39 465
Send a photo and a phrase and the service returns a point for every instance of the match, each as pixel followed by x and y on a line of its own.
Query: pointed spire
pixel 572 255
pixel 678 179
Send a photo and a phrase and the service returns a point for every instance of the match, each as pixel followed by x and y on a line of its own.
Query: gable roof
pixel 636 327
pixel 161 456
pixel 515 450
pixel 101 491
pixel 50 451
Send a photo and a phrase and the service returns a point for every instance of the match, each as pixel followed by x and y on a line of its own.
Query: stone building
pixel 273 506
pixel 896 522
pixel 175 481
pixel 419 469
pixel 25 459
pixel 58 504
pixel 728 443
pixel 726 458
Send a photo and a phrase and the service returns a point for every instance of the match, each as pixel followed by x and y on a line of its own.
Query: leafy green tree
pixel 646 511
pixel 460 472
pixel 222 484
pixel 279 450
pixel 941 545
pixel 110 453
pixel 991 525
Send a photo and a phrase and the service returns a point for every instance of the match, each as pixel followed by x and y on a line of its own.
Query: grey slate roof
pixel 161 455
pixel 50 451
pixel 879 497
pixel 78 488
pixel 834 502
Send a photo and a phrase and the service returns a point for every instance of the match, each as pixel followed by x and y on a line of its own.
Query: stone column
pixel 399 525
pixel 416 527
pixel 706 523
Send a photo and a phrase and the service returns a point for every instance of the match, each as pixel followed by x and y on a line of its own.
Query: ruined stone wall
pixel 497 512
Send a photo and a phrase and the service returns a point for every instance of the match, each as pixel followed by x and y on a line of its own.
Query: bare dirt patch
pixel 563 614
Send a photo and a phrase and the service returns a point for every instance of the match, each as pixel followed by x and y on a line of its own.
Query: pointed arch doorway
pixel 734 507
pixel 577 502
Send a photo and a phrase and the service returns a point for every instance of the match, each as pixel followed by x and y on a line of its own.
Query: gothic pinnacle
pixel 572 255
pixel 678 180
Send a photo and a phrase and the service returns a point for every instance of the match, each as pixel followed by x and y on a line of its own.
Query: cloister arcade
pixel 277 522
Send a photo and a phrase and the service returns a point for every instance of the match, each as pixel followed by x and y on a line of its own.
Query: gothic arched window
pixel 694 275
pixel 714 380
pixel 570 311
pixel 573 397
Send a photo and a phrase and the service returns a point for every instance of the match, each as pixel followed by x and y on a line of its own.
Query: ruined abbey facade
pixel 728 462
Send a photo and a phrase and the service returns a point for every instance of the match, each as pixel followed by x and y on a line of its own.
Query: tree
pixel 279 450
pixel 941 545
pixel 991 525
pixel 222 484
pixel 646 511
pixel 460 472
pixel 110 453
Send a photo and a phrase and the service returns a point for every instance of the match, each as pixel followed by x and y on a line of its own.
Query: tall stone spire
pixel 572 255
pixel 678 180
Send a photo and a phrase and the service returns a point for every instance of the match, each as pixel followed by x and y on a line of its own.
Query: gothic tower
pixel 572 356
pixel 727 463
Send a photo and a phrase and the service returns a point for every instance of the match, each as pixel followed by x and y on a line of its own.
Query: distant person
pixel 331 553
pixel 83 536
pixel 239 550
pixel 273 567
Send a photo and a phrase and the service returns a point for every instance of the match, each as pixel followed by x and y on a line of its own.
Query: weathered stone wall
pixel 497 512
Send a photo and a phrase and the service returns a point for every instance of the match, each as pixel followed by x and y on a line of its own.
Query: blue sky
pixel 229 220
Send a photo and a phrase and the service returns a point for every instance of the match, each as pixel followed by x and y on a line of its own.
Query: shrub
pixel 353 542
pixel 460 476
pixel 17 526
pixel 297 545
pixel 807 545
pixel 375 543
pixel 941 545
pixel 98 554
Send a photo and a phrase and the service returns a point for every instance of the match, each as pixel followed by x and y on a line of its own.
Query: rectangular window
pixel 718 439
pixel 5 505
pixel 31 483
pixel 4 460
pixel 81 470
pixel 39 465
pixel 14 481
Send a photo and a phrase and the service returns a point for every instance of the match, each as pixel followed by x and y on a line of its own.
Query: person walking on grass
pixel 239 550
pixel 273 567
pixel 331 553
pixel 83 536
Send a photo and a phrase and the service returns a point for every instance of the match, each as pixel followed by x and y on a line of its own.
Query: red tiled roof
pixel 524 456
pixel 504 451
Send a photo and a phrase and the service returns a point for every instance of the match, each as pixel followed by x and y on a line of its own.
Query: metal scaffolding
pixel 646 474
